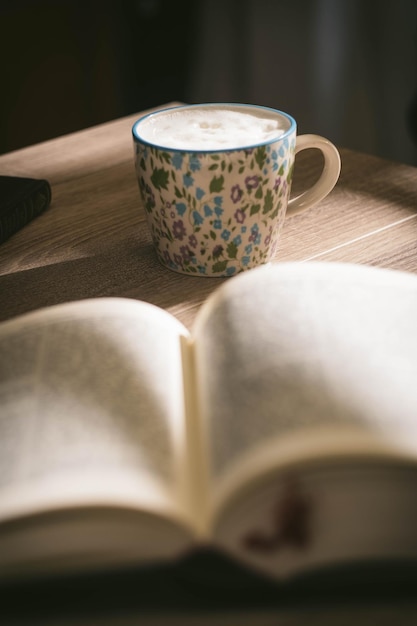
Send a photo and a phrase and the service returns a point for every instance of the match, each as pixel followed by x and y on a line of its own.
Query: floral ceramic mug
pixel 215 181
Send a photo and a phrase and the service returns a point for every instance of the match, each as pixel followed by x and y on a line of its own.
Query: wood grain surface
pixel 93 240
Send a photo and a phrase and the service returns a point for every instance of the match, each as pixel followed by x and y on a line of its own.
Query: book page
pixel 304 361
pixel 92 410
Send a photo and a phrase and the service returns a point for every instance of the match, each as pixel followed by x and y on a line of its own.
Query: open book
pixel 282 430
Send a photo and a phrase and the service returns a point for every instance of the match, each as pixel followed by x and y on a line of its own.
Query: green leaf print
pixel 219 266
pixel 259 192
pixel 260 156
pixel 232 250
pixel 216 184
pixel 255 208
pixel 268 202
pixel 275 212
pixel 159 178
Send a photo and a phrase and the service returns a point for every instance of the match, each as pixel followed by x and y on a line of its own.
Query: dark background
pixel 346 69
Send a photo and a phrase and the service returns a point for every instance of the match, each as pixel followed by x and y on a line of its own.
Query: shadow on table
pixel 125 270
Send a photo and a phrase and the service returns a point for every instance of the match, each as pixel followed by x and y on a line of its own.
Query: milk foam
pixel 212 128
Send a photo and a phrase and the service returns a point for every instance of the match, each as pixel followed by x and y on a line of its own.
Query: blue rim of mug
pixel 153 144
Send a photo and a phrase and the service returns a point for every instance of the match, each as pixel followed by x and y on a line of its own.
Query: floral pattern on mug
pixel 215 212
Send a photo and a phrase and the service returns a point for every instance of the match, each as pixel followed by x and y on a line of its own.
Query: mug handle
pixel 328 177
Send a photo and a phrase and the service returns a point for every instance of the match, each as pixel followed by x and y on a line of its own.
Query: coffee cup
pixel 215 182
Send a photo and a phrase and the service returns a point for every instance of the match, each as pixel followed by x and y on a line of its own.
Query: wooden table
pixel 93 240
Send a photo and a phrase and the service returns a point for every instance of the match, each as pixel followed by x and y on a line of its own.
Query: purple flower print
pixel 217 251
pixel 236 194
pixel 178 229
pixel 251 182
pixel 192 240
pixel 186 252
pixel 239 216
pixel 277 182
pixel 166 256
pixel 255 235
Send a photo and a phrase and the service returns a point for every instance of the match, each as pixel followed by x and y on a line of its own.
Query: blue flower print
pixel 237 240
pixel 231 270
pixel 188 180
pixel 181 208
pixel 207 210
pixel 218 200
pixel 245 260
pixel 217 224
pixel 225 235
pixel 218 211
pixel 248 249
pixel 198 219
pixel 201 269
pixel 177 161
pixel 199 193
pixel 195 164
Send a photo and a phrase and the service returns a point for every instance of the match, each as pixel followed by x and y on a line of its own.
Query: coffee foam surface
pixel 211 128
